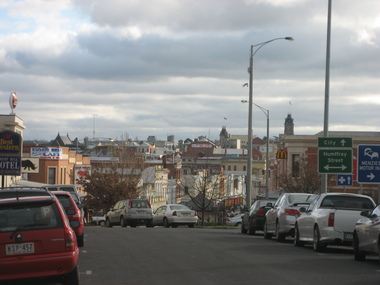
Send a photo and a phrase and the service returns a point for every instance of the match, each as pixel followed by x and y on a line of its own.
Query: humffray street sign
pixel 368 164
pixel 344 180
pixel 335 161
pixel 330 142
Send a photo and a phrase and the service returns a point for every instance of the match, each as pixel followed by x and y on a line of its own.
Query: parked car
pixel 174 215
pixel 130 212
pixel 253 220
pixel 73 213
pixel 330 219
pixel 99 219
pixel 234 221
pixel 367 234
pixel 280 219
pixel 36 240
pixel 72 190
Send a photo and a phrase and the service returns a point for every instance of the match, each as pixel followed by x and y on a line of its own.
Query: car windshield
pixel 29 217
pixel 347 202
pixel 300 199
pixel 65 201
pixel 179 207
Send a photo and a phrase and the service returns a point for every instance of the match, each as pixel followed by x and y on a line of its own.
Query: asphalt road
pixel 155 256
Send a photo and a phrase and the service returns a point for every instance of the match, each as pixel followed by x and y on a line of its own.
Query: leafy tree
pixel 305 180
pixel 113 180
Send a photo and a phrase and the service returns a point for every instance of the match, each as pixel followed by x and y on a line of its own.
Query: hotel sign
pixel 10 153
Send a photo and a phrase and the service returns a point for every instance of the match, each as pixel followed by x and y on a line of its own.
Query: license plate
pixel 348 236
pixel 19 248
pixel 185 214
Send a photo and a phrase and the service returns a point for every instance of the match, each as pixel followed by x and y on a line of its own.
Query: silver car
pixel 280 219
pixel 174 215
pixel 367 233
pixel 130 212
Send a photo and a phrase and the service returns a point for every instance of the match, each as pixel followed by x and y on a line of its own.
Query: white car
pixel 330 219
pixel 367 233
pixel 235 220
pixel 174 215
pixel 280 219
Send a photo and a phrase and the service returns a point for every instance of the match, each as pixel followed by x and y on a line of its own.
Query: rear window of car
pixel 28 217
pixel 65 201
pixel 140 204
pixel 347 202
pixel 301 199
pixel 179 207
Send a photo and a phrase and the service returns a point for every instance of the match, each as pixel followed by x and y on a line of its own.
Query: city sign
pixel 344 180
pixel 330 142
pixel 335 161
pixel 368 164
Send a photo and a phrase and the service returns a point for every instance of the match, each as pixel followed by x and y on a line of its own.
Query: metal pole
pixel 267 160
pixel 327 88
pixel 249 159
pixel 250 101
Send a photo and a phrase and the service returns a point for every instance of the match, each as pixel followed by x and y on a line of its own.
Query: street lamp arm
pixel 260 45
pixel 265 111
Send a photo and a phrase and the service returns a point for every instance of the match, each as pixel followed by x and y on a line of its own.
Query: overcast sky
pixel 177 67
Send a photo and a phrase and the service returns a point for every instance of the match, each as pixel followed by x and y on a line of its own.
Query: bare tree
pixel 203 187
pixel 306 180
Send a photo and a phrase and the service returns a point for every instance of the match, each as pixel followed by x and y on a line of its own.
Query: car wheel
pixel 191 225
pixel 242 229
pixel 72 278
pixel 80 240
pixel 108 223
pixel 166 223
pixel 122 222
pixel 280 237
pixel 149 224
pixel 102 223
pixel 297 241
pixel 266 234
pixel 317 245
pixel 252 229
pixel 358 254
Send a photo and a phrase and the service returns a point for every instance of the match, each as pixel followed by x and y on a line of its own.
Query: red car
pixel 73 213
pixel 36 240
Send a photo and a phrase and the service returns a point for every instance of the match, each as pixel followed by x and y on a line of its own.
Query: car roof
pixel 28 200
pixel 66 193
pixel 345 194
pixel 11 192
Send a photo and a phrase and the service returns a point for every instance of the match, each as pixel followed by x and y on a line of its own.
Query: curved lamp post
pixel 250 71
pixel 266 113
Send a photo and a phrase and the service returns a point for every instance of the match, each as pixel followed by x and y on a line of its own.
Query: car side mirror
pixel 302 210
pixel 365 213
pixel 270 205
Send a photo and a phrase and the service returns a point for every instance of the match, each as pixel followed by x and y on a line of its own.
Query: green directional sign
pixel 334 142
pixel 334 161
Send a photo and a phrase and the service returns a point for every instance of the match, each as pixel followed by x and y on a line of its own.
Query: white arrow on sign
pixel 328 167
pixel 371 176
pixel 343 142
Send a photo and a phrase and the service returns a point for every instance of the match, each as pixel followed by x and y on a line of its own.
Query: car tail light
pixel 129 204
pixel 69 241
pixel 196 213
pixel 260 212
pixel 174 213
pixel 292 212
pixel 331 219
pixel 150 205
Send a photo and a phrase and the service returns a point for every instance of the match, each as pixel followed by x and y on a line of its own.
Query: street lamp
pixel 250 71
pixel 267 166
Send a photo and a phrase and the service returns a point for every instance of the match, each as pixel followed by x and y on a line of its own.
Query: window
pixel 235 168
pixel 51 175
pixel 295 165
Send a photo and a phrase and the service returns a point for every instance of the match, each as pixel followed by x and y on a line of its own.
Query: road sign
pixel 344 180
pixel 368 163
pixel 334 142
pixel 335 161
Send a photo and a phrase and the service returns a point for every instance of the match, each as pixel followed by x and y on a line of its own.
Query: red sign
pixel 13 99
